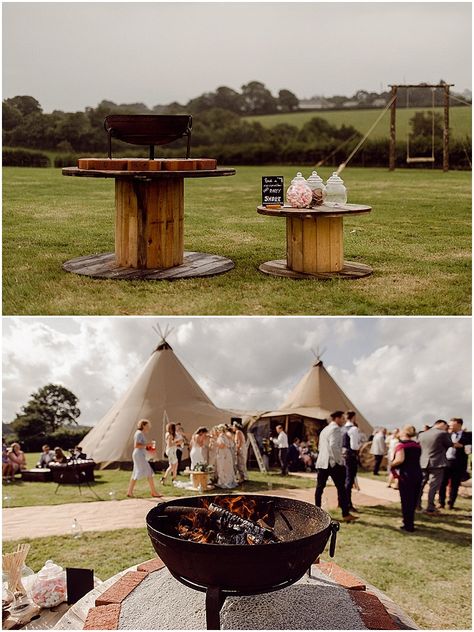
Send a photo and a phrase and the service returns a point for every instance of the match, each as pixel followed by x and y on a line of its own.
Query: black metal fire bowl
pixel 302 529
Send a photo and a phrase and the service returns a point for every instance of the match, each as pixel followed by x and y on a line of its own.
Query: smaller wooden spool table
pixel 315 243
pixel 149 223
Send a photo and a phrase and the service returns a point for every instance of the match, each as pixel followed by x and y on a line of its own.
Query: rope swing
pixel 411 159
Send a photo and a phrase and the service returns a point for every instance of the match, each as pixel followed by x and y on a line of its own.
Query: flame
pixel 197 527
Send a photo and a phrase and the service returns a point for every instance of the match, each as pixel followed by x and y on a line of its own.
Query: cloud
pixel 395 370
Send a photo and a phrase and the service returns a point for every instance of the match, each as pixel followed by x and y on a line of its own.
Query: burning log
pixel 219 525
pixel 229 520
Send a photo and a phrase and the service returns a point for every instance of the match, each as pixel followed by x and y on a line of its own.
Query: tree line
pixel 50 416
pixel 219 130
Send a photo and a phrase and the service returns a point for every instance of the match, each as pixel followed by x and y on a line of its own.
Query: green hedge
pixel 65 438
pixel 65 160
pixel 24 158
pixel 374 153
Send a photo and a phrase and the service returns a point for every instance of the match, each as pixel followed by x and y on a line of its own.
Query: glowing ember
pixel 227 520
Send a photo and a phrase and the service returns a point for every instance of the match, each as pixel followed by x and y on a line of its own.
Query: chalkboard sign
pixel 272 190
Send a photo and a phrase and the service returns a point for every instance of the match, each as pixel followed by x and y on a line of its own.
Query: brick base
pixel 121 589
pixel 340 576
pixel 372 611
pixel 103 618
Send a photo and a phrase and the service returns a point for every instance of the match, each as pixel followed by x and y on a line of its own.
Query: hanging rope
pixel 365 137
pixel 451 96
pixel 345 142
pixel 423 158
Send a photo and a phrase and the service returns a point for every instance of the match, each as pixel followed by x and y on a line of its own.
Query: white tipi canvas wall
pixel 163 391
pixel 316 396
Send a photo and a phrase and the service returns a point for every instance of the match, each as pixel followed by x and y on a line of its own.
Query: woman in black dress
pixel 406 464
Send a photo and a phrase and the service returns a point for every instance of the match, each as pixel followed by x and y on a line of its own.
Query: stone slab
pixel 313 603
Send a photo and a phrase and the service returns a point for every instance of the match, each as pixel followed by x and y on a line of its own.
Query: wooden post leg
pixel 149 223
pixel 315 244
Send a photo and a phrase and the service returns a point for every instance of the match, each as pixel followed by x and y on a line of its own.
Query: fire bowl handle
pixel 334 529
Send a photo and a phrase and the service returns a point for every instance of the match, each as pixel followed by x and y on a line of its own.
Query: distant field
pixel 460 120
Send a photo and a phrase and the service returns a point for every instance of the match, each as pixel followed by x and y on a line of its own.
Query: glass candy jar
pixel 317 187
pixel 299 194
pixel 49 589
pixel 336 192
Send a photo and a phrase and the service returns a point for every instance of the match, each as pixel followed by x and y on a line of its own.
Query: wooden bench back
pixel 148 129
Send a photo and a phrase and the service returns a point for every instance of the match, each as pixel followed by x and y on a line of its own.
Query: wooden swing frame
pixel 393 112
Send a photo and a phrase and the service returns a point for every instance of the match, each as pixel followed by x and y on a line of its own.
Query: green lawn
pixel 112 485
pixel 418 240
pixel 460 120
pixel 427 573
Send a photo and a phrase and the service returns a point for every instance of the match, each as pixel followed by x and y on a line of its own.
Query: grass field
pixel 417 239
pixel 112 485
pixel 460 120
pixel 427 573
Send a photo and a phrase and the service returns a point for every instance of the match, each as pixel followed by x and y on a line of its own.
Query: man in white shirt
pixel 330 463
pixel 378 448
pixel 281 442
pixel 350 451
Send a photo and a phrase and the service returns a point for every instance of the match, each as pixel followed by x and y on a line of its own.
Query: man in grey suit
pixel 330 463
pixel 434 443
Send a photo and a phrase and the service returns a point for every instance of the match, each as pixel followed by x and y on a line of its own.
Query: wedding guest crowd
pixel 220 451
pixel 14 459
pixel 436 457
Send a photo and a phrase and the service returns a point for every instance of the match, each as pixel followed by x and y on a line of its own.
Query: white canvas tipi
pixel 163 391
pixel 316 396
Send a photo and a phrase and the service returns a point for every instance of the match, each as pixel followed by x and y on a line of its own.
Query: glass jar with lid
pixel 317 187
pixel 49 589
pixel 336 192
pixel 299 194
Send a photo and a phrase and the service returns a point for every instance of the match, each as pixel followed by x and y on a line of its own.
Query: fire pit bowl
pixel 302 531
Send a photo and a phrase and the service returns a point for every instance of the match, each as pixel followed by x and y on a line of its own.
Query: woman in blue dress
pixel 141 467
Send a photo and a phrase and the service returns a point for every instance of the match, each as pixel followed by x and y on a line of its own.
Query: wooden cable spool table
pixel 315 243
pixel 149 220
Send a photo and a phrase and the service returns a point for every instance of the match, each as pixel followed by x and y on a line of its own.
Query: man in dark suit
pixel 457 462
pixel 434 444
pixel 293 457
pixel 350 450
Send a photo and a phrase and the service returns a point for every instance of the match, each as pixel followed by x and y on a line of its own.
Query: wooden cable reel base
pixel 144 164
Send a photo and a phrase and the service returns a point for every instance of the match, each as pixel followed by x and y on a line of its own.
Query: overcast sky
pixel 395 370
pixel 73 55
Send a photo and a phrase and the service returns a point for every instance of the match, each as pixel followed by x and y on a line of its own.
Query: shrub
pixel 24 158
pixel 65 438
pixel 65 160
